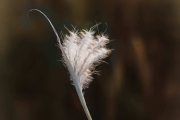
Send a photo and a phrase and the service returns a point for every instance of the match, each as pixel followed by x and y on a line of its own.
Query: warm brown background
pixel 141 81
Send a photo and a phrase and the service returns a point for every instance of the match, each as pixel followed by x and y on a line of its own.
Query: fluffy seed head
pixel 85 51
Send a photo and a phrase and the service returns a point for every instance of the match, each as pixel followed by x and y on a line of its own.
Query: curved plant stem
pixel 78 90
pixel 83 102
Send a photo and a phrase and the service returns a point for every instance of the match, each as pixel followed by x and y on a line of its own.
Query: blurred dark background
pixel 140 82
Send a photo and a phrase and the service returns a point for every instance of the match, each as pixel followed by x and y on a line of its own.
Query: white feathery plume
pixel 82 52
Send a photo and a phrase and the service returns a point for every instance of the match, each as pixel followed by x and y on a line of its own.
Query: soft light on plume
pixel 82 52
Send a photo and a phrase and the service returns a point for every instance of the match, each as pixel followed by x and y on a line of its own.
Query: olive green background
pixel 140 82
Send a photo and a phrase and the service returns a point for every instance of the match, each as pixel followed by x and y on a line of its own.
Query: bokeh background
pixel 140 82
